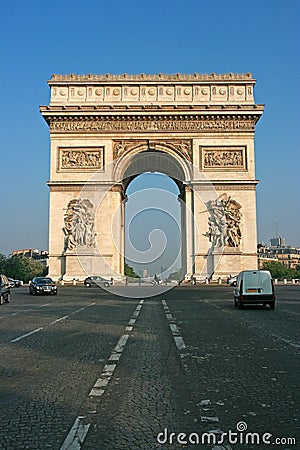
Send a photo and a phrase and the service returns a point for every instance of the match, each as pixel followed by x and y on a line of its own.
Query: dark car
pixel 4 290
pixel 42 285
pixel 97 281
pixel 14 283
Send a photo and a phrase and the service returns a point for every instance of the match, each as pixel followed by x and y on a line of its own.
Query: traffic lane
pixel 246 376
pixel 27 313
pixel 281 324
pixel 288 298
pixel 148 393
pixel 45 377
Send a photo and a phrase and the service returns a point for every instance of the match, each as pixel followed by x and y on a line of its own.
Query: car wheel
pixel 1 299
pixel 106 284
pixel 235 302
pixel 240 304
pixel 88 284
pixel 54 293
pixel 272 305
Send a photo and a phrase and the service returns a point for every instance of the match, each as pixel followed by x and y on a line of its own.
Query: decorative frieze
pixel 228 158
pixel 184 123
pixel 81 158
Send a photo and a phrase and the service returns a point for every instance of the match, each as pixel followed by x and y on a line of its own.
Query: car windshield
pixel 44 280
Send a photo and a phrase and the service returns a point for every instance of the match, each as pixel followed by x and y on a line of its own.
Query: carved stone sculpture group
pixel 224 222
pixel 79 224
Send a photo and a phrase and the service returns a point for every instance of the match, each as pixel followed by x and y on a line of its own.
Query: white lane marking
pixel 180 344
pixel 71 442
pixel 59 320
pixel 49 324
pixel 20 311
pixel 27 334
pixel 121 343
pixel 98 390
pixel 77 435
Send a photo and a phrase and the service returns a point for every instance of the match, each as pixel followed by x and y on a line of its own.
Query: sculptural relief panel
pixel 80 159
pixel 224 222
pixel 223 158
pixel 79 226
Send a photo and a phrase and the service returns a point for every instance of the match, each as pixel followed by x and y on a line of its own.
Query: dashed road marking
pixel 72 442
pixel 19 338
pixel 77 435
pixel 26 335
pixel 180 344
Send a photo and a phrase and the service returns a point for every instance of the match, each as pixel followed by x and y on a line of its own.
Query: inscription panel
pixel 80 159
pixel 223 158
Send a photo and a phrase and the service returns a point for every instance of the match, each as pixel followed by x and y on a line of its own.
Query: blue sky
pixel 38 39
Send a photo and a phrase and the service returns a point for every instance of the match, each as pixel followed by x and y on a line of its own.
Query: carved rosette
pixel 224 222
pixel 79 227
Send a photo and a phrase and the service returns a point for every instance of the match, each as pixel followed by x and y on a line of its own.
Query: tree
pixel 177 275
pixel 278 270
pixel 129 271
pixel 3 263
pixel 23 268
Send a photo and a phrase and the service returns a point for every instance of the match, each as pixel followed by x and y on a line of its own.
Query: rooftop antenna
pixel 276 228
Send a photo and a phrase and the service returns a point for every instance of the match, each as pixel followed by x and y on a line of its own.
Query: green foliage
pixel 21 267
pixel 129 272
pixel 279 271
pixel 177 275
pixel 3 263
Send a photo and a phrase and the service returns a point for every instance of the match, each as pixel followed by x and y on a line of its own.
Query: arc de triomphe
pixel 107 129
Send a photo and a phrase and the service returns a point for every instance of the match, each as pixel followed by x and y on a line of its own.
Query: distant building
pixel 277 242
pixel 36 254
pixel 287 255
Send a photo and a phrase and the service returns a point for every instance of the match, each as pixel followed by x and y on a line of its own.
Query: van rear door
pixel 257 282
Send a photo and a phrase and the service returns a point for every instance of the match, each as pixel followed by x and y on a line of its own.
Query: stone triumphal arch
pixel 107 129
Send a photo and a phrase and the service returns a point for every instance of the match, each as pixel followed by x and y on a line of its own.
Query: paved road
pixel 93 371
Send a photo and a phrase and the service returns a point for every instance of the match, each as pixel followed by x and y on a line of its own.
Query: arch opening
pixel 153 225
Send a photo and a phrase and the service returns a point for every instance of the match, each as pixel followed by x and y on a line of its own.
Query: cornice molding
pixel 151 77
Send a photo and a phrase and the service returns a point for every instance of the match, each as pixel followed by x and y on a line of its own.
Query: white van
pixel 254 287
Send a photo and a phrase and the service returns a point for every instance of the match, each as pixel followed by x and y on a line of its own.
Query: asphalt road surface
pixel 90 370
